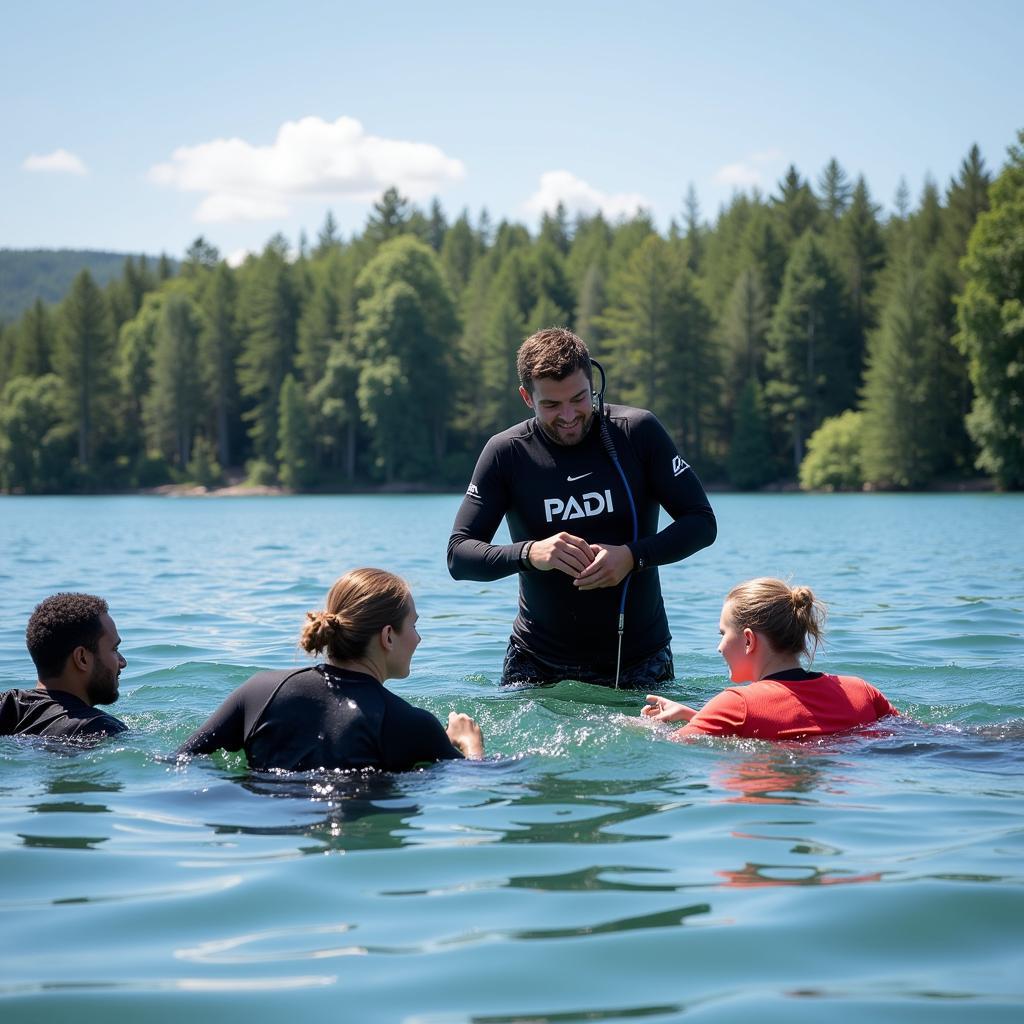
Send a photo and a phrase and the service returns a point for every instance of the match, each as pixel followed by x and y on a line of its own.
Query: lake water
pixel 590 869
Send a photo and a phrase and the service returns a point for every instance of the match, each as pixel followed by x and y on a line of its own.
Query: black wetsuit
pixel 45 712
pixel 322 717
pixel 543 488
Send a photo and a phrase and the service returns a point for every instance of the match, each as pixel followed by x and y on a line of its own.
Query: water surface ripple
pixel 590 869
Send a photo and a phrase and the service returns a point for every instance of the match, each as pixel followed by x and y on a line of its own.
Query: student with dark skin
pixel 74 644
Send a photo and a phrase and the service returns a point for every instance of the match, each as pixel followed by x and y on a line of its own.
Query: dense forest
pixel 30 274
pixel 801 337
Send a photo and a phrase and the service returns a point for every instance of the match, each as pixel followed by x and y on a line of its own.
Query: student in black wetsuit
pixel 74 644
pixel 338 714
pixel 572 530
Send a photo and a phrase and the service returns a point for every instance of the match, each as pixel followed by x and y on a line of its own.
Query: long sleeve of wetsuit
pixel 223 730
pixel 228 726
pixel 471 555
pixel 680 493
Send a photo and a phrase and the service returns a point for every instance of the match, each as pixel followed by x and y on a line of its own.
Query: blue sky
pixel 137 127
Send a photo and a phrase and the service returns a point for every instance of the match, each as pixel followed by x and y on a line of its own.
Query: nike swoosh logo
pixel 573 479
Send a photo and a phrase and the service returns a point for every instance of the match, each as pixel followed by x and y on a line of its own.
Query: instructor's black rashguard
pixel 543 488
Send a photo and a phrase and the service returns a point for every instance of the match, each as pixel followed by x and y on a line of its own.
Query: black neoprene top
pixel 42 712
pixel 321 717
pixel 543 488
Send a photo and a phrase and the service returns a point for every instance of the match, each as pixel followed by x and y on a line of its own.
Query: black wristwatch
pixel 524 555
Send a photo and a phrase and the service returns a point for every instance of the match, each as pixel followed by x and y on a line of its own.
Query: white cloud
pixel 238 256
pixel 739 175
pixel 60 161
pixel 224 207
pixel 747 173
pixel 579 196
pixel 308 158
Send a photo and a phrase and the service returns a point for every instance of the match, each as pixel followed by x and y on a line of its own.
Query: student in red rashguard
pixel 766 627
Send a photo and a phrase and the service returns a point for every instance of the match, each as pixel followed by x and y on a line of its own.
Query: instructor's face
pixel 564 408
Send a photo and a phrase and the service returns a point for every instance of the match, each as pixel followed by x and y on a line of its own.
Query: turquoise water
pixel 589 870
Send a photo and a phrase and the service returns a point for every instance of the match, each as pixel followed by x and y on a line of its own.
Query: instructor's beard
pixel 102 687
pixel 556 434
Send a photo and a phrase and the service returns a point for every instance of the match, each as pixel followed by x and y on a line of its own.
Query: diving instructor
pixel 569 516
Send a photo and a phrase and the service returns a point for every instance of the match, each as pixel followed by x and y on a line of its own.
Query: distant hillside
pixel 28 274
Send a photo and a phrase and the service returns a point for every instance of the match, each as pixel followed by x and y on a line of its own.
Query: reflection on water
pixel 760 875
pixel 342 810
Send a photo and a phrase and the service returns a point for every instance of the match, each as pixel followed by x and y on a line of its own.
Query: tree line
pixel 800 336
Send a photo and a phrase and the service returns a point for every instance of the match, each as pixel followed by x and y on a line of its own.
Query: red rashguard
pixel 776 709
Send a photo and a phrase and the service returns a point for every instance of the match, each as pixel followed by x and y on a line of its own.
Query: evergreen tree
pixel 729 248
pixel 164 268
pixel 902 403
pixel 8 342
pixel 810 372
pixel 203 468
pixel 925 230
pixel 693 231
pixel 389 219
pixel 497 390
pixel 483 228
pixel 591 242
pixel 136 345
pixel 546 314
pixel 861 255
pixel 926 223
pixel 125 295
pixel 459 253
pixel 407 324
pixel 551 281
pixel 317 328
pixel 200 256
pixel 335 407
pixel 437 226
pixel 744 329
pixel 796 205
pixel 590 305
pixel 751 462
pixel 835 190
pixel 383 389
pixel 218 357
pixel 33 342
pixel 638 324
pixel 172 408
pixel 83 359
pixel 267 311
pixel 627 237
pixel 554 230
pixel 991 319
pixel 328 238
pixel 966 201
pixel 763 249
pixel 901 201
pixel 659 342
pixel 294 436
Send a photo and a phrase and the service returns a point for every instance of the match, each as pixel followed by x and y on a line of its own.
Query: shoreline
pixel 242 490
